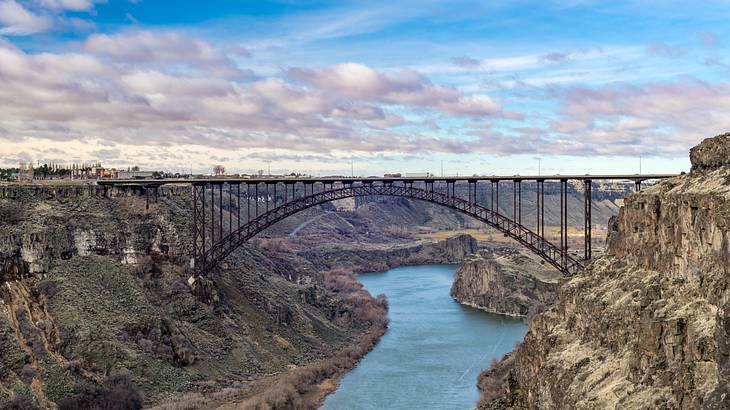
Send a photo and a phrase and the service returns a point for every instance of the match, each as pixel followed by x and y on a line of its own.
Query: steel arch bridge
pixel 212 243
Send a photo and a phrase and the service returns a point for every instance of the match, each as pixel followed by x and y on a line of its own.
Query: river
pixel 433 350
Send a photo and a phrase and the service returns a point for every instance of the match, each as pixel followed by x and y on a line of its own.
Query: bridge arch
pixel 206 259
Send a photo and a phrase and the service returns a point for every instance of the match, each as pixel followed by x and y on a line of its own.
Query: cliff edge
pixel 647 325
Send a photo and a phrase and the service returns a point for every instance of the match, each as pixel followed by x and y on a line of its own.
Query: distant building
pixel 135 174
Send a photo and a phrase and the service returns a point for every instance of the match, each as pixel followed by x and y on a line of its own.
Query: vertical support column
pixel 563 221
pixel 538 207
pixel 267 197
pixel 195 225
pixel 256 193
pixel 230 212
pixel 637 186
pixel 238 207
pixel 496 186
pixel 542 208
pixel 514 200
pixel 275 199
pixel 248 201
pixel 147 198
pixel 212 215
pixel 202 230
pixel 519 202
pixel 220 211
pixel 588 222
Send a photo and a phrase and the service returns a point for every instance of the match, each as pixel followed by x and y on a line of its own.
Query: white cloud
pixel 16 20
pixel 402 87
pixel 73 5
pixel 163 47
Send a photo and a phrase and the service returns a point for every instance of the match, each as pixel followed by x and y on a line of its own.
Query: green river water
pixel 433 350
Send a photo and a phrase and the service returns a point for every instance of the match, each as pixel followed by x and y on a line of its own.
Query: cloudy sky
pixel 487 87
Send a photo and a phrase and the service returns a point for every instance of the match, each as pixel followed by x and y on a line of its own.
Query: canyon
pixel 95 284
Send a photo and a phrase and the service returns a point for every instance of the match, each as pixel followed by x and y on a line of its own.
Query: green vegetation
pixel 96 304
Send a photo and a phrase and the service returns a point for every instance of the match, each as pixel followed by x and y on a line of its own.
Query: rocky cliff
pixel 505 280
pixel 647 325
pixel 93 284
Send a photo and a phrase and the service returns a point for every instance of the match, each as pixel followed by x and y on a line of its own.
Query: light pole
pixel 639 164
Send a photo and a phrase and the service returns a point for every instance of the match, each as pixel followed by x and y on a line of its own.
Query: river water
pixel 433 350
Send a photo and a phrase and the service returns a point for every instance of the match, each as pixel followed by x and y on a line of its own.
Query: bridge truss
pixel 221 223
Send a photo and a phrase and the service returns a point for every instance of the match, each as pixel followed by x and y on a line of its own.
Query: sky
pixel 331 87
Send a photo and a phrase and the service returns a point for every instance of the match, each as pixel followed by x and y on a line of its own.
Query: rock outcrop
pixel 505 280
pixel 712 153
pixel 377 259
pixel 645 326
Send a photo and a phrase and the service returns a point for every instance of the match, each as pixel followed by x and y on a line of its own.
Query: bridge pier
pixel 564 219
pixel 587 216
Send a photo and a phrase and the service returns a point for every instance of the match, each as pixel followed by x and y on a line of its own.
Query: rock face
pixel 379 259
pixel 712 153
pixel 93 284
pixel 645 326
pixel 505 280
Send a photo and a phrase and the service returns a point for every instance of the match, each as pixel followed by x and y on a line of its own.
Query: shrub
pixel 27 374
pixel 73 366
pixel 47 288
pixel 20 402
pixel 117 393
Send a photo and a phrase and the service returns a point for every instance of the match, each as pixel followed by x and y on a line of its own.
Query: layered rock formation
pixel 647 325
pixel 381 258
pixel 505 280
pixel 95 284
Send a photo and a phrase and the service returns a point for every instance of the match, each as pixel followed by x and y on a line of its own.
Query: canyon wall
pixel 647 325
pixel 505 280
pixel 93 284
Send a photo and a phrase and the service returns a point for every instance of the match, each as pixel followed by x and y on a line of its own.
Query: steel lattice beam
pixel 214 255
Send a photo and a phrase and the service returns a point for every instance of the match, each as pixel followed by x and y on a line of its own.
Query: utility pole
pixel 268 162
pixel 639 164
pixel 442 168
pixel 352 167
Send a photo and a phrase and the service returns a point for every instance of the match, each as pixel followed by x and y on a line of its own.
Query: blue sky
pixel 397 86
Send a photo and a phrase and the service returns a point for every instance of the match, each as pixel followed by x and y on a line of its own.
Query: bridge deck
pixel 333 179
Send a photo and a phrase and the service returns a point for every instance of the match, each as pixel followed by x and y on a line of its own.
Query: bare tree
pixel 219 170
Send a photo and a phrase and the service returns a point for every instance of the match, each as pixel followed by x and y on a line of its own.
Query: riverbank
pixel 433 350
pixel 336 267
